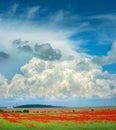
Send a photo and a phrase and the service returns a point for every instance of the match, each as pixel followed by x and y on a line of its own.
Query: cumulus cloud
pixel 75 75
pixel 46 52
pixel 43 51
pixel 38 34
pixel 66 79
pixel 4 55
pixel 27 35
pixel 4 88
pixel 22 45
pixel 110 58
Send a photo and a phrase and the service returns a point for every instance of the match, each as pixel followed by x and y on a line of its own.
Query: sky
pixel 58 52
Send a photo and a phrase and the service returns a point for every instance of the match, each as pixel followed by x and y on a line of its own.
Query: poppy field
pixel 59 119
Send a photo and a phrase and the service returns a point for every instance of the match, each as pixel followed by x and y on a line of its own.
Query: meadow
pixel 58 119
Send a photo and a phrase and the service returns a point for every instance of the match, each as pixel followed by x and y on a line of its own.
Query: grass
pixel 56 125
pixel 75 126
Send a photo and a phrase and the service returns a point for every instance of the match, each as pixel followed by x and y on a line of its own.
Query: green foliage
pixel 1 110
pixel 92 109
pixel 26 111
pixel 18 111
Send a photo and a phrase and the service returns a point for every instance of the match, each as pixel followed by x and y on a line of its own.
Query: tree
pixel 26 111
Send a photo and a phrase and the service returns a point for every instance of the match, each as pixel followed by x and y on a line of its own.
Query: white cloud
pixel 61 80
pixel 4 88
pixel 41 33
pixel 110 17
pixel 32 12
pixel 11 12
pixel 75 75
pixel 58 38
pixel 43 51
pixel 14 8
pixel 110 58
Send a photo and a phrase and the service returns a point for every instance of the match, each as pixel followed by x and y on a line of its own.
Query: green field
pixel 29 125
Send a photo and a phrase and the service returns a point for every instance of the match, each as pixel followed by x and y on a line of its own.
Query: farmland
pixel 58 119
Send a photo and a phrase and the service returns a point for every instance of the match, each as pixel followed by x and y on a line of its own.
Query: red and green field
pixel 59 119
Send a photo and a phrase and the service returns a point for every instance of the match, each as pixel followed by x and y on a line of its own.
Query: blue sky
pixel 62 52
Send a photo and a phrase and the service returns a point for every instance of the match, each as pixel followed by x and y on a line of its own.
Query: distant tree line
pixel 36 106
